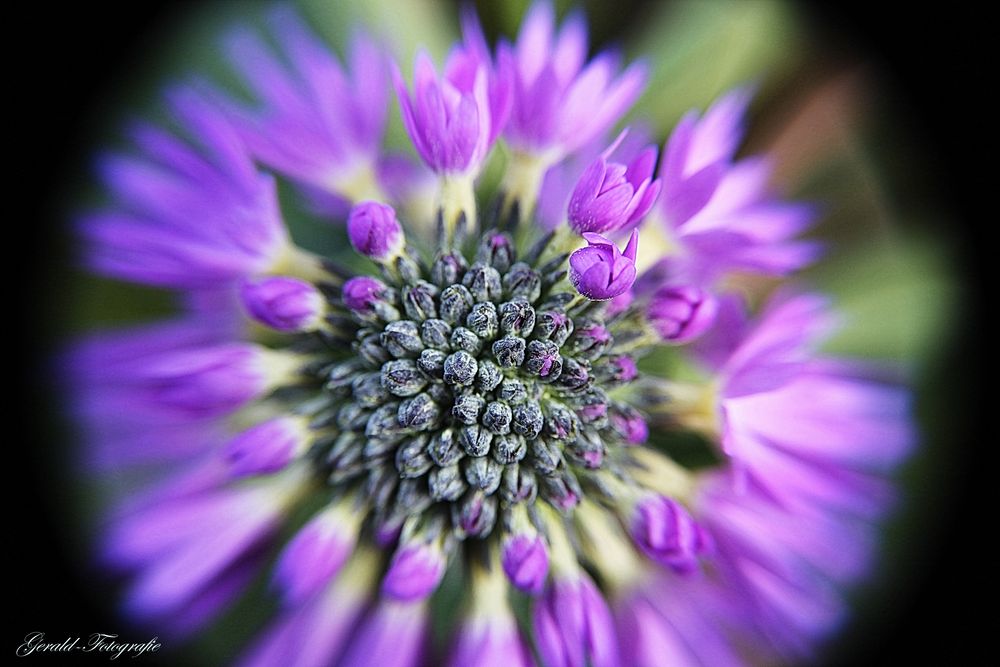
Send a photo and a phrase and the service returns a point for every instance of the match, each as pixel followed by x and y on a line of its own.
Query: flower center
pixel 473 385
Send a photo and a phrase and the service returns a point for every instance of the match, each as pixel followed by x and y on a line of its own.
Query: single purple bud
pixel 562 489
pixel 593 412
pixel 600 271
pixel 475 515
pixel 681 314
pixel 374 231
pixel 610 196
pixel 361 293
pixel 283 303
pixel 629 424
pixel 624 368
pixel 553 325
pixel 266 447
pixel 525 560
pixel 666 532
pixel 591 340
pixel 415 571
pixel 497 250
pixel 314 555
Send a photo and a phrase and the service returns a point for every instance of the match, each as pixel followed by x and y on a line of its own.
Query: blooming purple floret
pixel 283 303
pixel 610 196
pixel 454 120
pixel 721 211
pixel 601 271
pixel 481 408
pixel 562 102
pixel 317 121
pixel 187 216
pixel 394 633
pixel 374 231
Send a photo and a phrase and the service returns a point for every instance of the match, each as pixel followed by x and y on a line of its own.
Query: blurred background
pixel 877 122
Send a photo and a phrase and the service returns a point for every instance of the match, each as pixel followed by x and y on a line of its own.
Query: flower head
pixel 475 417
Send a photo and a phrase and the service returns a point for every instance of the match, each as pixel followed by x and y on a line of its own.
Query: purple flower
pixel 454 121
pixel 610 196
pixel 560 102
pixel 805 427
pixel 186 216
pixel 266 447
pixel 189 379
pixel 318 122
pixel 526 562
pixel 185 543
pixel 781 563
pixel 722 212
pixel 283 303
pixel 600 271
pixel 465 409
pixel 681 314
pixel 573 625
pixel 374 231
pixel 666 533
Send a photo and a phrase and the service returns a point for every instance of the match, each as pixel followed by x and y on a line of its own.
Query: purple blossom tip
pixel 362 292
pixel 610 196
pixel 525 560
pixel 414 573
pixel 311 559
pixel 283 303
pixel 681 314
pixel 600 271
pixel 374 231
pixel 264 448
pixel 666 533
